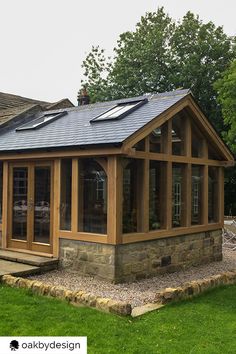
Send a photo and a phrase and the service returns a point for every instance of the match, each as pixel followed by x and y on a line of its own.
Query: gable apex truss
pixel 178 108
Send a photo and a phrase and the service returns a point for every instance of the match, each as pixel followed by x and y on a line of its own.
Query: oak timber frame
pixel 114 171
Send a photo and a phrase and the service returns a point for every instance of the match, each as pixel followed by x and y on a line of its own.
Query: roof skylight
pixel 41 121
pixel 119 111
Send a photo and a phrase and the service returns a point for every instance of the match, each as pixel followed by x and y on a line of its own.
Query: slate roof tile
pixel 75 128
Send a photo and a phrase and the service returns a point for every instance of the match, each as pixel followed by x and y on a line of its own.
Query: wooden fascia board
pixel 66 153
pixel 186 101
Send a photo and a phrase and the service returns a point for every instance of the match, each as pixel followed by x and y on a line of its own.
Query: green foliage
pixel 205 324
pixel 161 55
pixel 201 53
pixel 226 87
pixel 96 68
pixel 230 191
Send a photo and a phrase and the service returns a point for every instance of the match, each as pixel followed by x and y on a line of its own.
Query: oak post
pixel 56 207
pixel 114 207
pixel 74 196
pixel 5 204
pixel 204 214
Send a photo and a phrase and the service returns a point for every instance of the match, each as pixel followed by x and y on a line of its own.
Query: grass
pixel 206 324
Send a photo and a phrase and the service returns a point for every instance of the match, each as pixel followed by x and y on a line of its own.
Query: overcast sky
pixel 43 43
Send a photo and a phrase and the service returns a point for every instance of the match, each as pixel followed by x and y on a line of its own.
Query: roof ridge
pixel 149 96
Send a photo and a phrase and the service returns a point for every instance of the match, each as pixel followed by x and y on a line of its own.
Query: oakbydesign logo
pixel 14 345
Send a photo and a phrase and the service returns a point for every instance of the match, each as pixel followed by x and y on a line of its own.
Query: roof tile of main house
pixel 11 106
pixel 75 129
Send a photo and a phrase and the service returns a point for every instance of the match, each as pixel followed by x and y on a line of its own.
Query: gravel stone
pixel 140 292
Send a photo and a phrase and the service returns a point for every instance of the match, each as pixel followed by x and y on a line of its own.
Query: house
pixel 119 190
pixel 15 107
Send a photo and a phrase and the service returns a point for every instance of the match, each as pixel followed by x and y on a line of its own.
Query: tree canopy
pixel 161 55
pixel 226 87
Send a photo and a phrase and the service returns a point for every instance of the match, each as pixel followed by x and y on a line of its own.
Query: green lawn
pixel 206 324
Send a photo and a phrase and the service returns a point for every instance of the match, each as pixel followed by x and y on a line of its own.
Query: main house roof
pixel 12 106
pixel 76 129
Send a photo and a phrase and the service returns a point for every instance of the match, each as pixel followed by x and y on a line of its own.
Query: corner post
pixel 114 207
pixel 5 204
pixel 56 206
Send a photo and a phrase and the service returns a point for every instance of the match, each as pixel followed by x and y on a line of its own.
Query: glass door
pixel 20 203
pixel 30 217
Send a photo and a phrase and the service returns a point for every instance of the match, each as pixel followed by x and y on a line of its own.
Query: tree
pixel 226 87
pixel 201 52
pixel 96 67
pixel 161 55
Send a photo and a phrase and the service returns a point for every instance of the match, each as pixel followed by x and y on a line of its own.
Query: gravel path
pixel 140 292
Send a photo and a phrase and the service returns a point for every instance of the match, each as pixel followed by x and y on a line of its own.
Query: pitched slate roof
pixel 13 105
pixel 75 129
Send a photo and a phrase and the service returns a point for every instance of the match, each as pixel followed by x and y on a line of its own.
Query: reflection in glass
pixel 155 195
pixel 213 191
pixel 130 191
pixel 197 142
pixel 65 205
pixel 92 197
pixel 196 194
pixel 1 178
pixel 177 195
pixel 178 136
pixel 41 205
pixel 19 217
pixel 158 139
pixel 140 146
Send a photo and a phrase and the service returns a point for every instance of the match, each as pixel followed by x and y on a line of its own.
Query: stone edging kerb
pixel 186 291
pixel 195 287
pixel 74 297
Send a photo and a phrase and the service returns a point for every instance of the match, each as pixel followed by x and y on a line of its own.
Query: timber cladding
pixel 130 262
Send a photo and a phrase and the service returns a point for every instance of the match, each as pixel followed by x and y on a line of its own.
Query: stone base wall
pixel 0 238
pixel 88 258
pixel 130 262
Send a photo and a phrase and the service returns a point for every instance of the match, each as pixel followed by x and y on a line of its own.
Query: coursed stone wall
pixel 130 262
pixel 88 258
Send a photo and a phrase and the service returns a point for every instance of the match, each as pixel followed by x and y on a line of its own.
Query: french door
pixel 30 206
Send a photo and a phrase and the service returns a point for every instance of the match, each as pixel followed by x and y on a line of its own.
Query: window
pixel 178 135
pixel 140 145
pixel 197 142
pixel 213 153
pixel 156 195
pixel 213 192
pixel 158 139
pixel 177 195
pixel 119 111
pixel 41 121
pixel 131 194
pixel 92 197
pixel 65 204
pixel 1 187
pixel 196 194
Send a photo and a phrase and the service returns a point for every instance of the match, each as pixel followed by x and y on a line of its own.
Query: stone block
pixel 129 262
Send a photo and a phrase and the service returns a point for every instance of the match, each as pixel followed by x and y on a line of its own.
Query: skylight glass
pixel 119 111
pixel 41 121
